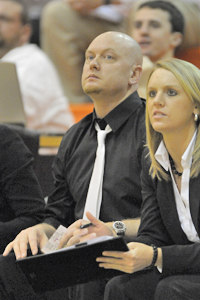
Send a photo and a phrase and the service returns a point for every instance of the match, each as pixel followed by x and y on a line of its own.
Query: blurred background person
pixel 46 107
pixel 161 29
pixel 67 29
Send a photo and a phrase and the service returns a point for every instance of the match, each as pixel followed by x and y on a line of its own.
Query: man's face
pixel 152 30
pixel 107 67
pixel 10 25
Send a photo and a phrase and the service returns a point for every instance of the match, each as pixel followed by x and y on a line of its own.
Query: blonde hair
pixel 189 77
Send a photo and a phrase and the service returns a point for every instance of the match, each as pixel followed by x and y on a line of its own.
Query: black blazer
pixel 160 223
pixel 21 199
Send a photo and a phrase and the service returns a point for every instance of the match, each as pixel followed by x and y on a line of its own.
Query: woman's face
pixel 170 109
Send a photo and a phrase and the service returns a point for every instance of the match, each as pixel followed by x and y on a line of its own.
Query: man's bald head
pixel 112 69
pixel 124 43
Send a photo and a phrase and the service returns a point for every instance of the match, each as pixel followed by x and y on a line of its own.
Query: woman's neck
pixel 176 146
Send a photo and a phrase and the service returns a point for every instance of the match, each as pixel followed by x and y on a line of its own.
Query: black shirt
pixel 74 163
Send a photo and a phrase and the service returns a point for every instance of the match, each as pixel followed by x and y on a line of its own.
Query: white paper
pixel 53 242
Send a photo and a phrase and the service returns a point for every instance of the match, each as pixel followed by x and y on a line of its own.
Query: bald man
pixel 110 77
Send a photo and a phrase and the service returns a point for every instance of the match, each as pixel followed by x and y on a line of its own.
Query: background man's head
pixel 158 27
pixel 15 29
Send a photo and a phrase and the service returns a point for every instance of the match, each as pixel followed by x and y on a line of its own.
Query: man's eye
pixel 5 19
pixel 90 57
pixel 108 56
pixel 171 92
pixel 155 24
pixel 137 25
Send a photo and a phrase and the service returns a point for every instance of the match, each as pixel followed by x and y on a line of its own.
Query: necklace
pixel 174 168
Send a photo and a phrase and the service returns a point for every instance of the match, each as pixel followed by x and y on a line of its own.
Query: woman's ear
pixel 196 112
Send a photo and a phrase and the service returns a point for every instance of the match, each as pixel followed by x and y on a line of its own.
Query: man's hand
pixel 34 237
pixel 75 235
pixel 84 6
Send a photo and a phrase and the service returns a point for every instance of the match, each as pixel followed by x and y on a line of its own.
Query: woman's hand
pixel 137 258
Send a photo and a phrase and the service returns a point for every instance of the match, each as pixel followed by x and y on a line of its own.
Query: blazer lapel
pixel 169 212
pixel 194 196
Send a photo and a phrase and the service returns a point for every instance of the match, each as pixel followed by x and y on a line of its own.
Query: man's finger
pixel 93 220
pixel 8 249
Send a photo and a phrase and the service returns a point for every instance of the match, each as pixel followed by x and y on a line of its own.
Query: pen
pixel 85 225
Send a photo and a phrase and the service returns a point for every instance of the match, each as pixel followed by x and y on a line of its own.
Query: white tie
pixel 94 195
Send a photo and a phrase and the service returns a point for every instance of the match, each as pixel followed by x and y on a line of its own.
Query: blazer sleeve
pixel 152 229
pixel 21 199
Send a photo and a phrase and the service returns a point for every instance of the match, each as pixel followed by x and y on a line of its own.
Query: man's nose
pixel 94 64
pixel 144 29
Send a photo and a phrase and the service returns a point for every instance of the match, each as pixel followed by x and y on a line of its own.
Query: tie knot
pixel 101 134
pixel 102 123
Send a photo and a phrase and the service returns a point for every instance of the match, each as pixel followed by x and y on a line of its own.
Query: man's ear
pixel 26 32
pixel 177 39
pixel 135 75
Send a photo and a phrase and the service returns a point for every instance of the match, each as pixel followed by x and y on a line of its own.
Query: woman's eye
pixel 152 93
pixel 171 92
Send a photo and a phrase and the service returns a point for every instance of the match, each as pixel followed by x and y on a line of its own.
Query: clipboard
pixel 70 266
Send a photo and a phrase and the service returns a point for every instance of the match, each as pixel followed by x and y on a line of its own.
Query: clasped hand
pixel 137 258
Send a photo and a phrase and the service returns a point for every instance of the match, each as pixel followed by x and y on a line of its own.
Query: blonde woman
pixel 167 249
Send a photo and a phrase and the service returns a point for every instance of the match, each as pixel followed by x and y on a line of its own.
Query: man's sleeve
pixel 21 199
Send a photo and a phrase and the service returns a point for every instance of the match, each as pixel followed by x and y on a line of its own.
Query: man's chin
pixel 91 91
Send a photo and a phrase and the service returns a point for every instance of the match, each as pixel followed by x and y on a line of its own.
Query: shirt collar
pixel 162 155
pixel 118 116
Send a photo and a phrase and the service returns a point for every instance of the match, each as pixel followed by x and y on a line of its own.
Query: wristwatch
pixel 119 227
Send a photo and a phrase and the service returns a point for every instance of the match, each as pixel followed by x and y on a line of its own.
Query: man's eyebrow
pixel 149 20
pixel 7 16
pixel 104 50
pixel 89 51
pixel 109 49
pixel 2 15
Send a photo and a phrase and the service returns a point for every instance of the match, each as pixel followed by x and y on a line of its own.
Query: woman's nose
pixel 158 100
